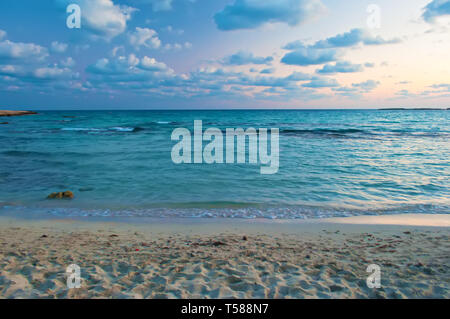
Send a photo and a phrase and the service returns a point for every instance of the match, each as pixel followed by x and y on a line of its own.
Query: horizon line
pixel 240 109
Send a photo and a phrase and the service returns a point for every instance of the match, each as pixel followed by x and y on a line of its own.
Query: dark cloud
pixel 341 67
pixel 243 58
pixel 250 14
pixel 436 8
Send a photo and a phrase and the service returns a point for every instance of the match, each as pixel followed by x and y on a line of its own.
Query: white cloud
pixel 53 73
pixel 170 29
pixel 10 70
pixel 116 50
pixel 26 52
pixel 133 60
pixel 177 46
pixel 151 64
pixel 58 47
pixel 159 5
pixel 68 62
pixel 102 18
pixel 127 65
pixel 2 34
pixel 144 37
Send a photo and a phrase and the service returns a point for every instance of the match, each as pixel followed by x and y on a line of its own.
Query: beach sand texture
pixel 206 261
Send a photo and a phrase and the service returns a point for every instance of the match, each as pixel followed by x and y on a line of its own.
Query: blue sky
pixel 187 54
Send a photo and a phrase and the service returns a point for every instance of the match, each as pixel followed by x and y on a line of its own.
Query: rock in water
pixel 61 195
pixel 15 113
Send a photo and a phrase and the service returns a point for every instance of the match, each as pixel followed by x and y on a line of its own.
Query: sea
pixel 332 163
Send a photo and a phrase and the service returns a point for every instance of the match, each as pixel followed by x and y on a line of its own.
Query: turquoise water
pixel 332 163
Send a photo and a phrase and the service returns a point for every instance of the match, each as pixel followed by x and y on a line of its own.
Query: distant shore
pixel 226 259
pixel 15 113
pixel 413 109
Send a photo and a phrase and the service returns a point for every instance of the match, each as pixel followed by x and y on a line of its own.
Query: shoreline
pixel 403 219
pixel 226 259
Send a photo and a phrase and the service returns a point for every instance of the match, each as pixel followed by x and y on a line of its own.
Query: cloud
pixel 159 5
pixel 267 71
pixel 144 37
pixel 366 86
pixel 118 66
pixel 10 70
pixel 405 93
pixel 23 52
pixel 115 51
pixel 58 47
pixel 304 56
pixel 321 83
pixel 53 73
pixel 250 14
pixel 129 73
pixel 2 34
pixel 436 8
pixel 352 38
pixel 329 50
pixel 68 62
pixel 24 66
pixel 148 76
pixel 345 89
pixel 267 81
pixel 170 29
pixel 177 46
pixel 341 67
pixel 443 87
pixel 243 58
pixel 356 89
pixel 102 18
pixel 150 64
pixel 294 45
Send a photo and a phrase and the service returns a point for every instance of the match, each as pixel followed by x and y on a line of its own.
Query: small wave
pixel 79 129
pixel 359 133
pixel 110 129
pixel 325 132
pixel 280 213
pixel 124 129
pixel 24 153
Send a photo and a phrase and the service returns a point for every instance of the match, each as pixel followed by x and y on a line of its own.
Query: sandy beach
pixel 224 259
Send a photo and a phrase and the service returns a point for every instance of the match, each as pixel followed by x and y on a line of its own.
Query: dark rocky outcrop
pixel 15 113
pixel 61 195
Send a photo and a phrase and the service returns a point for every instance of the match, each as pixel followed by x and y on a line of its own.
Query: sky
pixel 224 54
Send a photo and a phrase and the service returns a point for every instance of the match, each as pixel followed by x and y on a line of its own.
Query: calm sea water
pixel 332 163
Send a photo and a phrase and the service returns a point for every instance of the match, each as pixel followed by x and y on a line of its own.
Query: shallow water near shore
pixel 332 164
